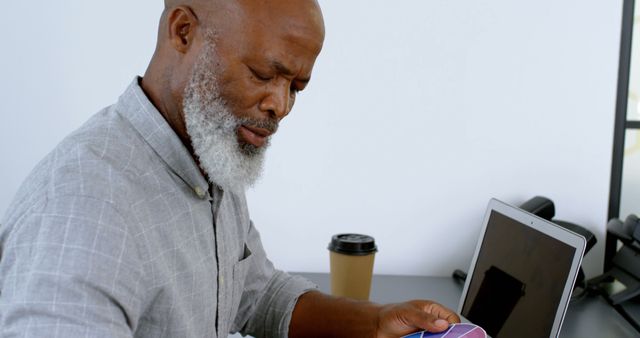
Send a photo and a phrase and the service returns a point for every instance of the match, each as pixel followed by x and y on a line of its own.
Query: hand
pixel 397 320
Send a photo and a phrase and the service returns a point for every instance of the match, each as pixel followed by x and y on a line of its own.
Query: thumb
pixel 426 321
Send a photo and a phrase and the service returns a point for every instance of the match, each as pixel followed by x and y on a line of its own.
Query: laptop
pixel 522 274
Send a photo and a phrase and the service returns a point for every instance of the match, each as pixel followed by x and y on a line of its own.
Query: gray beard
pixel 212 127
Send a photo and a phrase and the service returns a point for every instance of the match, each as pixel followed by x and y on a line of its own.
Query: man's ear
pixel 183 24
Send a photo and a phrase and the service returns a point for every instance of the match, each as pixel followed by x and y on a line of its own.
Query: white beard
pixel 212 128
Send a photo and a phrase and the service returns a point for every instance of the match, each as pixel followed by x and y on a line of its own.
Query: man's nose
pixel 277 101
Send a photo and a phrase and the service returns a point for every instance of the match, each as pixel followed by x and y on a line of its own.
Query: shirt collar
pixel 134 106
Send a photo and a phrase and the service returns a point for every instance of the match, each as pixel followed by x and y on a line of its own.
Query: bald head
pixel 250 10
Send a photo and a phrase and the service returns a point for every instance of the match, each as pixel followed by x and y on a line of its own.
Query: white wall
pixel 418 113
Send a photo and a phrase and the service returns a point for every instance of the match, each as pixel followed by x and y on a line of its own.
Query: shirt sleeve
pixel 269 296
pixel 70 269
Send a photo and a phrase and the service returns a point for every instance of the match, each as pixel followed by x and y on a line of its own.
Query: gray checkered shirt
pixel 116 234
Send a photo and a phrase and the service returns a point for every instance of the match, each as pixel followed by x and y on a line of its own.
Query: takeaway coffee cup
pixel 351 257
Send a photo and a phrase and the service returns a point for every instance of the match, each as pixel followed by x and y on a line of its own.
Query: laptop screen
pixel 518 280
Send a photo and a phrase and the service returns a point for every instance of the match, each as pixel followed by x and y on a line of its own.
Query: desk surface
pixel 589 317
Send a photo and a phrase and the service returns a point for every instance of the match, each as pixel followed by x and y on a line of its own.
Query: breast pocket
pixel 240 271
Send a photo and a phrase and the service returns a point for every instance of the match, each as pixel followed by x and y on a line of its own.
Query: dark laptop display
pixel 519 277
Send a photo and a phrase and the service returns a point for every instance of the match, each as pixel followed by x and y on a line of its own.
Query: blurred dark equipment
pixel 625 265
pixel 544 208
pixel 620 284
pixel 540 206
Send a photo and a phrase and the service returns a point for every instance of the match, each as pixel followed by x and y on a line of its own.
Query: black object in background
pixel 540 206
pixel 622 266
pixel 626 262
pixel 544 208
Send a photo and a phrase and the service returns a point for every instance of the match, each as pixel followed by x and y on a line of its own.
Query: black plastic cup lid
pixel 353 244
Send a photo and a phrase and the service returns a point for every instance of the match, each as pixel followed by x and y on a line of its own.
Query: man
pixel 136 225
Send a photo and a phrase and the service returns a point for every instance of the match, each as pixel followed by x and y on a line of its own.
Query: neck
pixel 159 91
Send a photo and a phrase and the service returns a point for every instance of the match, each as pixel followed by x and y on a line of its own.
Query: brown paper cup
pixel 351 257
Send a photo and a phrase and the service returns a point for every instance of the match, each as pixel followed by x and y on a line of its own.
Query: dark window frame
pixel 622 125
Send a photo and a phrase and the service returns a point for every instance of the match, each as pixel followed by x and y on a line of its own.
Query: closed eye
pixel 260 76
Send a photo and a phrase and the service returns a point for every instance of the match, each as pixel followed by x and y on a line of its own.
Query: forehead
pixel 288 43
pixel 280 30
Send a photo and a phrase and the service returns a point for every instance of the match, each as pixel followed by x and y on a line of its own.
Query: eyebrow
pixel 280 68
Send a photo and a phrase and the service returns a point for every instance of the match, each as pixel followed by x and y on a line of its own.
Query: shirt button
pixel 221 280
pixel 199 191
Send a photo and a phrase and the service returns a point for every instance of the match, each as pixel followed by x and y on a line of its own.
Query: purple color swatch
pixel 454 331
